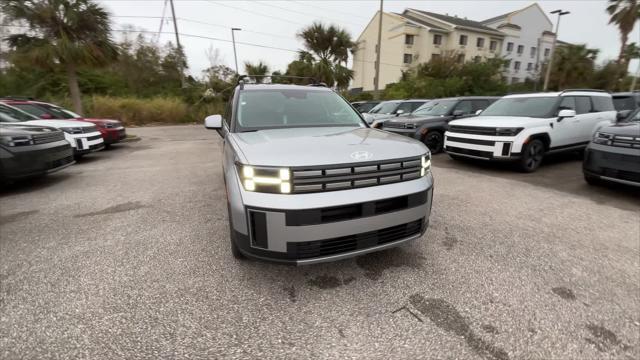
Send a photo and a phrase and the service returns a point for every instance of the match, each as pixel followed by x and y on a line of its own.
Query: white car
pixel 84 137
pixel 525 127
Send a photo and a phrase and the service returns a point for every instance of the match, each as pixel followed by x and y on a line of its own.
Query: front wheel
pixel 434 141
pixel 532 155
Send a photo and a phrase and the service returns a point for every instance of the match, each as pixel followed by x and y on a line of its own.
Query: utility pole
pixel 235 56
pixel 553 47
pixel 376 80
pixel 175 28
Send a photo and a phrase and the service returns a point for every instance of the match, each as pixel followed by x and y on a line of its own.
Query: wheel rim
pixel 433 141
pixel 535 154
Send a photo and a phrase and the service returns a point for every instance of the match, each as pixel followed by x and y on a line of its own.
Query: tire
pixel 592 180
pixel 532 156
pixel 434 141
pixel 235 250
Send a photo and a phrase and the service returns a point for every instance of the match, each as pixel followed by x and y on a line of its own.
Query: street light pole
pixel 233 38
pixel 553 48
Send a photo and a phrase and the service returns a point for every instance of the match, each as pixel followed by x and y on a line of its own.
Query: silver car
pixel 308 181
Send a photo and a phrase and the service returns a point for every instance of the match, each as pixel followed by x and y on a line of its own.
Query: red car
pixel 112 131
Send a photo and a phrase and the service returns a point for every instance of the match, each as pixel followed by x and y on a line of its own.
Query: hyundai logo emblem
pixel 361 155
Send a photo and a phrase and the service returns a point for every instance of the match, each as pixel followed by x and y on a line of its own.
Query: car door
pixel 564 131
pixel 406 108
pixel 587 118
pixel 466 106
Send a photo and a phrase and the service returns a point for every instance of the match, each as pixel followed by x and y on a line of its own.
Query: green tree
pixel 573 67
pixel 258 70
pixel 624 14
pixel 327 50
pixel 61 33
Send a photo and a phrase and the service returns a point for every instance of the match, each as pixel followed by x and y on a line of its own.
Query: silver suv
pixel 308 181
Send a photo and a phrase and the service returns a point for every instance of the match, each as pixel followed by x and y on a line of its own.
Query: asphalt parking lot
pixel 126 255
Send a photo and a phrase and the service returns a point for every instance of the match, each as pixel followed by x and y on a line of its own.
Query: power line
pixel 255 12
pixel 325 9
pixel 299 12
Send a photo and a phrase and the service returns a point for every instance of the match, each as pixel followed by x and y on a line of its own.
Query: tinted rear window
pixel 624 103
pixel 604 103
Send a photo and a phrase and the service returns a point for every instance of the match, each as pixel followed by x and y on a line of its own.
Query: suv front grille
pixel 348 176
pixel 311 249
pixel 48 137
pixel 477 130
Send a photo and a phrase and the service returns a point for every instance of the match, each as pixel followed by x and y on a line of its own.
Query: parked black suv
pixel 429 122
pixel 614 153
pixel 626 100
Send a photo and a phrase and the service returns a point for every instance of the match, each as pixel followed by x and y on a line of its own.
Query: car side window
pixel 415 105
pixel 479 104
pixel 567 103
pixel 465 106
pixel 583 104
pixel 406 107
pixel 602 103
pixel 227 112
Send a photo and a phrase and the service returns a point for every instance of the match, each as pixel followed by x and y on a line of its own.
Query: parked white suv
pixel 525 127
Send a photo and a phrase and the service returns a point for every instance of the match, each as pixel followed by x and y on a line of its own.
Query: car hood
pixel 24 129
pixel 59 123
pixel 417 119
pixel 99 121
pixel 499 121
pixel 322 146
pixel 623 129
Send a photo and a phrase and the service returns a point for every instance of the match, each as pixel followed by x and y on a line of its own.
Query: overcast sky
pixel 275 23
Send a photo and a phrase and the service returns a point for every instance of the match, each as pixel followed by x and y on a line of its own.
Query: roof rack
pixel 592 90
pixel 17 98
pixel 313 81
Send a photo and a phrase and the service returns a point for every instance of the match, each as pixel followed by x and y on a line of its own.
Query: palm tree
pixel 328 48
pixel 259 69
pixel 624 13
pixel 573 66
pixel 61 33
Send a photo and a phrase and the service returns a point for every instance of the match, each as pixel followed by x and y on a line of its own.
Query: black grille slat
pixel 457 150
pixel 477 130
pixel 48 138
pixel 358 175
pixel 310 249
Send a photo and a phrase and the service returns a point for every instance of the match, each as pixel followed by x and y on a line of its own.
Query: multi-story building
pixel 416 36
pixel 528 41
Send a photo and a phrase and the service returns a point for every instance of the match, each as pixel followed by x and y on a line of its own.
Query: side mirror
pixel 213 122
pixel 399 112
pixel 46 116
pixel 478 111
pixel 622 114
pixel 566 113
pixel 457 113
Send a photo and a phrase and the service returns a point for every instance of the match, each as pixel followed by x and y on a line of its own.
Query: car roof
pixel 561 93
pixel 469 98
pixel 252 87
pixel 626 93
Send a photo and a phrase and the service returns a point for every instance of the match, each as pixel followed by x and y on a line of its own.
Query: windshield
pixel 538 107
pixel 277 109
pixel 384 108
pixel 40 109
pixel 624 103
pixel 436 108
pixel 13 115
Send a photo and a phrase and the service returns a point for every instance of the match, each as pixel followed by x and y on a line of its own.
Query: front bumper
pixel 615 164
pixel 85 143
pixel 35 160
pixel 319 227
pixel 113 135
pixel 496 148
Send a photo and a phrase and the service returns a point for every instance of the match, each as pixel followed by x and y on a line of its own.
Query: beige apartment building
pixel 416 36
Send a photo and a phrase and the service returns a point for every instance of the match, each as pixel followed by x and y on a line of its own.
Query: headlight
pixel 19 140
pixel 507 131
pixel 265 179
pixel 72 130
pixel 426 164
pixel 602 138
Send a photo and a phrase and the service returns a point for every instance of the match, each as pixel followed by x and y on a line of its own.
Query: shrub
pixel 137 111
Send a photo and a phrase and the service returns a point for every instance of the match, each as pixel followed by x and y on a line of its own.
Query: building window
pixel 516 66
pixel 547 52
pixel 463 40
pixel 507 64
pixel 529 66
pixel 408 58
pixel 480 42
pixel 437 39
pixel 436 57
pixel 533 51
pixel 493 45
pixel 520 49
pixel 460 58
pixel 515 80
pixel 509 46
pixel 408 39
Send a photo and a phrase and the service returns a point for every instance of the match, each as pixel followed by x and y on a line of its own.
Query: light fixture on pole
pixel 553 47
pixel 233 38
